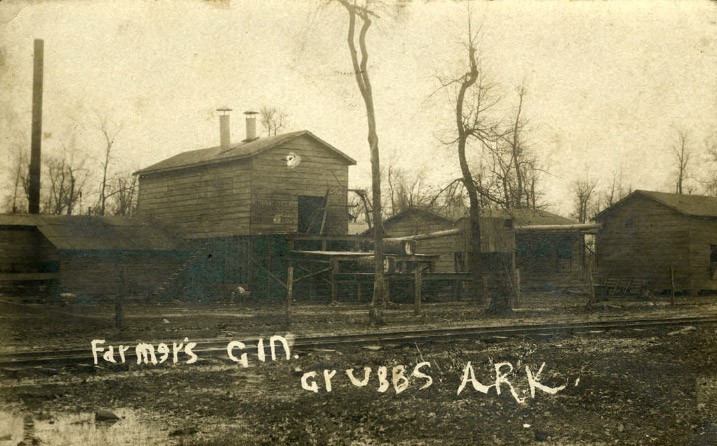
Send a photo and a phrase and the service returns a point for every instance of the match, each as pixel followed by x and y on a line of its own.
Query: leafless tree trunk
pixel 109 135
pixel 516 151
pixel 472 104
pixel 682 157
pixel 360 66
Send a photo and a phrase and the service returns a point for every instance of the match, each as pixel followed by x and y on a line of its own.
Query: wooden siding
pixel 276 187
pixel 26 250
pixel 227 261
pixel 96 274
pixel 445 247
pixel 643 239
pixel 201 202
pixel 703 235
pixel 549 260
pixel 255 196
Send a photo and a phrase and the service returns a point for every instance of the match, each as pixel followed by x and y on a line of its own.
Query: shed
pixel 546 258
pixel 85 254
pixel 647 233
pixel 447 236
pixel 549 248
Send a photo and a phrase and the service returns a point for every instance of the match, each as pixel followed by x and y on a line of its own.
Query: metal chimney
pixel 224 130
pixel 36 141
pixel 250 125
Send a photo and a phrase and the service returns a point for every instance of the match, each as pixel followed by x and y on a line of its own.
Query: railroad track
pixel 214 348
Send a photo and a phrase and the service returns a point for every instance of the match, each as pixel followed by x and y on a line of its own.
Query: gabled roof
pixel 235 152
pixel 692 205
pixel 521 217
pixel 82 232
pixel 529 217
pixel 408 212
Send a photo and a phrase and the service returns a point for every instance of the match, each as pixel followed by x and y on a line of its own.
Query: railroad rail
pixel 215 348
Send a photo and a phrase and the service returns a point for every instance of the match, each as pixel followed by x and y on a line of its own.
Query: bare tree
pixel 406 189
pixel 67 178
pixel 19 170
pixel 359 11
pixel 475 98
pixel 509 170
pixel 614 192
pixel 272 120
pixel 123 195
pixel 682 154
pixel 109 133
pixel 583 190
pixel 710 184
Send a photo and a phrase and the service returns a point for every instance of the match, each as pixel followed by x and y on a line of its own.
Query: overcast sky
pixel 609 83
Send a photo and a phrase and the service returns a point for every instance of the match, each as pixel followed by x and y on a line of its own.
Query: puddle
pixel 79 428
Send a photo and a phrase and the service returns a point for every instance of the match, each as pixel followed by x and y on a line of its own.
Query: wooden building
pixel 647 234
pixel 548 248
pixel 236 203
pixel 84 255
pixel 448 238
pixel 282 184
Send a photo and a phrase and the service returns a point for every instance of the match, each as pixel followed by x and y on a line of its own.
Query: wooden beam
pixel 578 227
pixel 315 273
pixel 289 290
pixel 323 216
pixel 268 273
pixel 418 289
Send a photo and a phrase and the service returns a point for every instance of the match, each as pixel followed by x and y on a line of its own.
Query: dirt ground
pixel 626 387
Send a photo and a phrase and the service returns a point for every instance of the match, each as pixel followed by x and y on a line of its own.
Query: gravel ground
pixel 626 387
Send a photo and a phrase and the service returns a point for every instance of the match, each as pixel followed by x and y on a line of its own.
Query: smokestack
pixel 36 141
pixel 224 131
pixel 250 125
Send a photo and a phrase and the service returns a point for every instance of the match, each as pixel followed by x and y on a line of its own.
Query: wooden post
pixel 119 300
pixel 516 283
pixel 359 292
pixel 672 285
pixel 289 290
pixel 334 289
pixel 418 289
pixel 591 286
pixel 387 292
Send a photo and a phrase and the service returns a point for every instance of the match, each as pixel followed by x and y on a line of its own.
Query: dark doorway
pixel 311 214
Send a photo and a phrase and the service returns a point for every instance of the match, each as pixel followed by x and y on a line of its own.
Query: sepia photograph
pixel 358 222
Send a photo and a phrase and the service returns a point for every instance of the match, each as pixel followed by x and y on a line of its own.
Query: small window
pixel 629 223
pixel 713 261
pixel 565 257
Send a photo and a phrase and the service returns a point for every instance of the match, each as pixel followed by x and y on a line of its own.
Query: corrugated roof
pixel 236 151
pixel 81 232
pixel 693 205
